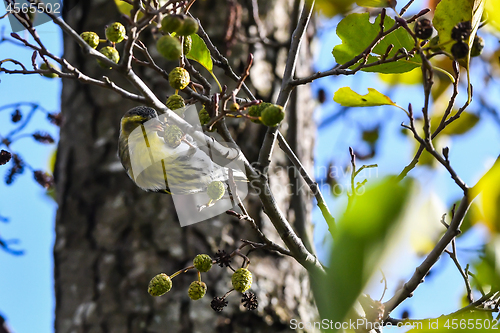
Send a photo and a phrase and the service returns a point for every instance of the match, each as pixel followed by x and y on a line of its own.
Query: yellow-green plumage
pixel 154 166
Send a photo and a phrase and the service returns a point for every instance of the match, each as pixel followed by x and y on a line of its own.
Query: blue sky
pixel 26 282
pixel 470 154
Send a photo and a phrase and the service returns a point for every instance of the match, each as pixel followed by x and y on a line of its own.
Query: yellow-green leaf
pixel 360 240
pixel 357 32
pixel 462 125
pixel 331 8
pixel 376 3
pixel 125 8
pixel 488 269
pixel 347 97
pixel 412 77
pixel 493 10
pixel 451 12
pixel 489 188
pixel 200 53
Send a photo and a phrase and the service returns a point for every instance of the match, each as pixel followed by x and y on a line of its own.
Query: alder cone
pixel 171 23
pixel 169 47
pixel 111 53
pixel 116 32
pixel 179 78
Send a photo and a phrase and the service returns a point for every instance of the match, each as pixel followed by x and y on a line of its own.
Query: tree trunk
pixel 112 238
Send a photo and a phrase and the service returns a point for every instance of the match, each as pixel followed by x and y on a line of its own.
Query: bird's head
pixel 140 115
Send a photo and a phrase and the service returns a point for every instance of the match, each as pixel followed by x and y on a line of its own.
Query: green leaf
pixel 123 7
pixel 376 3
pixel 493 9
pixel 356 33
pixel 200 53
pixel 489 189
pixel 462 125
pixel 409 78
pixel 451 12
pixel 361 237
pixel 345 96
pixel 488 269
pixel 331 8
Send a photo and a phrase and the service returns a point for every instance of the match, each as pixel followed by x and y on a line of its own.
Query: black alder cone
pixel 460 50
pixel 423 29
pixel 5 157
pixel 461 31
pixel 218 304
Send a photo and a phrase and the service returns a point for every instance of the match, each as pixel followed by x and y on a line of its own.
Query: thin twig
pixel 286 86
pixel 313 185
pixel 424 268
pixel 453 256
pixel 234 191
pixel 475 306
pixel 344 69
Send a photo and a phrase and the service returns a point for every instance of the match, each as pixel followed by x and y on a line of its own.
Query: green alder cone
pixel 216 190
pixel 242 280
pixel 90 38
pixel 204 116
pixel 179 78
pixel 187 45
pixel 202 262
pixel 175 103
pixel 159 285
pixel 49 75
pixel 171 23
pixel 197 290
pixel 272 115
pixel 111 53
pixel 256 111
pixel 116 32
pixel 173 136
pixel 169 47
pixel 189 27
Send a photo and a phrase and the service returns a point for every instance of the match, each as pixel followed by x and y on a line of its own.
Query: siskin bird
pixel 154 166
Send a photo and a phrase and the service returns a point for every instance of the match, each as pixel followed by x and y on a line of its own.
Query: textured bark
pixel 111 237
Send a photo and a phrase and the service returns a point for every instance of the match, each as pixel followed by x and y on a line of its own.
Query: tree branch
pixel 313 185
pixel 286 86
pixel 424 268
